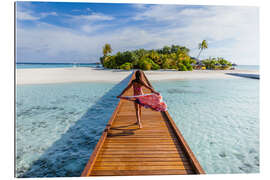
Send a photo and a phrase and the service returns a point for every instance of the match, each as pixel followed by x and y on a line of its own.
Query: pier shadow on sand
pixel 252 76
pixel 68 156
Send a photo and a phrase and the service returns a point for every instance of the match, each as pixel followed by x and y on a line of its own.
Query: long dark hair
pixel 138 75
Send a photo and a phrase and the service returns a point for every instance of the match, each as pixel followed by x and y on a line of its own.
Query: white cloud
pixel 139 6
pixel 92 17
pixel 158 13
pixel 190 26
pixel 49 43
pixel 81 10
pixel 198 12
pixel 29 15
pixel 43 15
pixel 25 16
pixel 90 28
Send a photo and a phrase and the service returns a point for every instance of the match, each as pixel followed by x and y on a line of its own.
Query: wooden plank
pixel 181 167
pixel 134 138
pixel 133 122
pixel 140 148
pixel 143 155
pixel 131 152
pixel 140 145
pixel 142 131
pixel 140 140
pixel 134 134
pixel 143 143
pixel 141 172
pixel 140 137
pixel 141 163
pixel 135 128
pixel 141 159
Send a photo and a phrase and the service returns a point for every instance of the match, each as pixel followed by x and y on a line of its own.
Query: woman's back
pixel 137 88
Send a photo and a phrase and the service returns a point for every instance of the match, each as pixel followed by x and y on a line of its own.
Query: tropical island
pixel 169 57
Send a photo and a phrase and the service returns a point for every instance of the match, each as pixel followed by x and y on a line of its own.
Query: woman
pixel 137 84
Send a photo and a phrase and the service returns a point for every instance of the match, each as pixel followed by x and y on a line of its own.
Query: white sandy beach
pixel 87 74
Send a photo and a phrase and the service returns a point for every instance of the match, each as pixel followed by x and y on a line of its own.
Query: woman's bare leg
pixel 140 110
pixel 138 115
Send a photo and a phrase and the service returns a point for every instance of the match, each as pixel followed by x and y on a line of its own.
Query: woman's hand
pixel 118 96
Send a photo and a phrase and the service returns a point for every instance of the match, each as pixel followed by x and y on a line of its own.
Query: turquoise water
pixel 53 65
pixel 58 125
pixel 219 119
pixel 65 65
pixel 68 65
pixel 248 67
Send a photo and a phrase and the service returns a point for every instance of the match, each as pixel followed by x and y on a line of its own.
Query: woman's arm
pixel 129 85
pixel 148 87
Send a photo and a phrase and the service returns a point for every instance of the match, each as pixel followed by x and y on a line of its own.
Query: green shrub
pixel 189 67
pixel 144 64
pixel 147 66
pixel 109 62
pixel 126 66
pixel 155 66
pixel 166 64
pixel 185 62
pixel 182 67
pixel 173 67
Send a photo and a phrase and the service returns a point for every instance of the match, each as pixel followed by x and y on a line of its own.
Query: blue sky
pixel 76 32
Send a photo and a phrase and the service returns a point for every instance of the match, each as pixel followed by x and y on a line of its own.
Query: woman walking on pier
pixel 139 99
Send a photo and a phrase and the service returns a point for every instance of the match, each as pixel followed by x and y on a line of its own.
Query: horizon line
pixel 94 63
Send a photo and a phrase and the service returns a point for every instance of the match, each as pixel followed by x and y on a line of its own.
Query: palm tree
pixel 107 49
pixel 202 46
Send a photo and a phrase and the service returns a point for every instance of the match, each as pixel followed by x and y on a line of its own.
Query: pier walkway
pixel 156 149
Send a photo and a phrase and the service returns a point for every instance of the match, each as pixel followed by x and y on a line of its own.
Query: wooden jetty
pixel 125 150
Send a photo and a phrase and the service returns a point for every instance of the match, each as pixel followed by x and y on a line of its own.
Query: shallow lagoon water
pixel 58 125
pixel 219 119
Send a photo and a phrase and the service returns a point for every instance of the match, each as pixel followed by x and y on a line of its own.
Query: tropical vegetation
pixel 105 50
pixel 216 63
pixel 169 57
pixel 203 45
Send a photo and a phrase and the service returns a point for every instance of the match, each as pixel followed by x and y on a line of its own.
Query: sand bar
pixel 87 74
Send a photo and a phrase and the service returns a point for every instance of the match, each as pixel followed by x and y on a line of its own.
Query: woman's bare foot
pixel 139 124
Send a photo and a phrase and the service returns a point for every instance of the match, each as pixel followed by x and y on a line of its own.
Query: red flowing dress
pixel 151 100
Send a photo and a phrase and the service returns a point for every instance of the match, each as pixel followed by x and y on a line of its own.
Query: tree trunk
pixel 199 54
